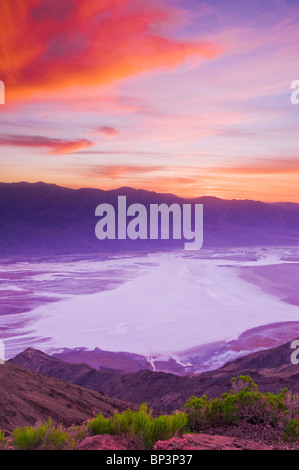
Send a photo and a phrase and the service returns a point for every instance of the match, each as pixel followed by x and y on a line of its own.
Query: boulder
pixel 208 442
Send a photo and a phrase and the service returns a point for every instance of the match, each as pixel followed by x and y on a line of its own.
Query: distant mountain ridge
pixel 271 369
pixel 45 219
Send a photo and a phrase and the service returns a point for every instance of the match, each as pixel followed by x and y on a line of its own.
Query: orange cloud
pixel 265 167
pixel 56 146
pixel 50 45
pixel 278 183
pixel 116 171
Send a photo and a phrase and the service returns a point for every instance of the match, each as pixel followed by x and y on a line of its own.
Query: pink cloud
pixel 116 171
pixel 108 131
pixel 56 146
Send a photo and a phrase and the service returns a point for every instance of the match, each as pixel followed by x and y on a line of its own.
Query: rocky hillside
pixel 271 369
pixel 27 397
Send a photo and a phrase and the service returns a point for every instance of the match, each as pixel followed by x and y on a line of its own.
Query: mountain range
pixel 45 219
pixel 271 369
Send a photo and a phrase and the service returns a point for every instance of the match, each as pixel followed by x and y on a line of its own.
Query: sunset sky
pixel 190 97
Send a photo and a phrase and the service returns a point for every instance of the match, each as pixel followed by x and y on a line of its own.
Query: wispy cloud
pixel 108 131
pixel 184 97
pixel 56 146
pixel 264 167
pixel 116 171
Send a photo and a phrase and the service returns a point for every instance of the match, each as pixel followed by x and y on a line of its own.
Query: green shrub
pixel 291 430
pixel 46 436
pixel 101 425
pixel 26 438
pixel 139 425
pixel 243 382
pixel 58 439
pixel 243 403
pixel 2 439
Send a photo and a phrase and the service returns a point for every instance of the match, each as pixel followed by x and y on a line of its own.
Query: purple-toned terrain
pixel 48 220
pixel 144 304
pixel 178 312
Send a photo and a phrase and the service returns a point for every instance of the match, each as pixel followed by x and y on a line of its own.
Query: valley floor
pixel 161 306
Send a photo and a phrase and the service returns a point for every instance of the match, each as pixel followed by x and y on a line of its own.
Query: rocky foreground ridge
pixel 271 369
pixel 35 386
pixel 185 442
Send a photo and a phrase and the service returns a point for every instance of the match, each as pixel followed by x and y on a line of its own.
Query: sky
pixel 190 97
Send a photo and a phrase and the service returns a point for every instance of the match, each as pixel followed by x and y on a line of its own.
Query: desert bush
pixel 101 425
pixel 58 439
pixel 45 436
pixel 243 383
pixel 243 403
pixel 140 425
pixel 2 440
pixel 291 430
pixel 291 402
pixel 28 438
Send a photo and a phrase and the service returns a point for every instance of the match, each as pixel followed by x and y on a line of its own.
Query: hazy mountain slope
pixel 271 369
pixel 43 219
pixel 99 359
